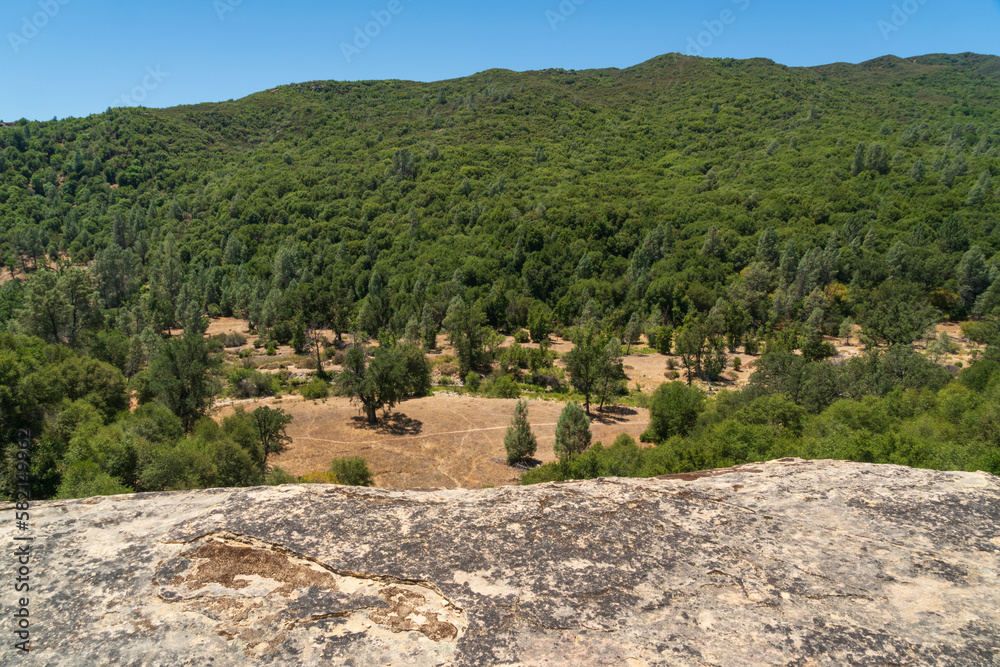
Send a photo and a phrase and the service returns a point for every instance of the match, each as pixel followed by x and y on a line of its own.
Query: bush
pixel 352 472
pixel 272 349
pixel 737 364
pixel 751 345
pixel 660 339
pixel 448 368
pixel 977 376
pixel 315 390
pixel 504 387
pixel 277 476
pixel 85 479
pixel 231 339
pixel 250 383
pixel 473 381
pixel 246 354
pixel 673 410
pixel 522 336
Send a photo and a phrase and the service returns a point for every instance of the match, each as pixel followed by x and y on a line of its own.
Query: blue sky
pixel 62 58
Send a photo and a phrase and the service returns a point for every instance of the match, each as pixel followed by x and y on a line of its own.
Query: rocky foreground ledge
pixel 784 563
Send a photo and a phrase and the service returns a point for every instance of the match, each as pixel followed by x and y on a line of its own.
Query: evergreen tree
pixel 846 330
pixel 768 247
pixel 877 159
pixel 519 441
pixel 858 165
pixel 181 377
pixel 979 191
pixel 572 432
pixel 789 262
pixel 632 331
pixel 972 276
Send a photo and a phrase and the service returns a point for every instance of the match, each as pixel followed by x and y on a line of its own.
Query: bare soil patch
pixel 448 441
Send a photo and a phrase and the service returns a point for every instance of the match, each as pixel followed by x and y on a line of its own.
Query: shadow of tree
pixel 523 465
pixel 613 414
pixel 394 423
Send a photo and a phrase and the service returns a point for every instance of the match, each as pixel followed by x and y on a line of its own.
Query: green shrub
pixel 473 381
pixel 250 383
pixel 504 387
pixel 232 339
pixel 277 477
pixel 522 336
pixel 673 410
pixel 85 479
pixel 315 390
pixel 352 472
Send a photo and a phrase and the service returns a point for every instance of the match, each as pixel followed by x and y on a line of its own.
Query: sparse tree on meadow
pixel 519 441
pixel 572 432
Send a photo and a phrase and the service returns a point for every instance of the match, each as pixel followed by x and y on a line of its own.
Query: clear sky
pixel 62 58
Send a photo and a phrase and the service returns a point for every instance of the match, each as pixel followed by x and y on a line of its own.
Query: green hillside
pixel 516 177
pixel 736 201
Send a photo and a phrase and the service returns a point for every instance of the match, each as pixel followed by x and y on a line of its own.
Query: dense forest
pixel 709 205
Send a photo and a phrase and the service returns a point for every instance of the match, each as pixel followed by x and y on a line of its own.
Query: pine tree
pixel 846 329
pixel 972 276
pixel 632 332
pixel 979 190
pixel 877 159
pixel 520 442
pixel 572 432
pixel 859 159
pixel 767 247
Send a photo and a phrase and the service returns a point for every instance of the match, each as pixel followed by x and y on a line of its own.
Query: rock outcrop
pixel 783 563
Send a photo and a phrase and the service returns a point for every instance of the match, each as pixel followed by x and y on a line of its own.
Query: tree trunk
pixel 372 416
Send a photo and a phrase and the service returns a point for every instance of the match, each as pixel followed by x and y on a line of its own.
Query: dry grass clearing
pixel 448 441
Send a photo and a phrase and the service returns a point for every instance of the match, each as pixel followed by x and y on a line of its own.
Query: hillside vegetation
pixel 714 205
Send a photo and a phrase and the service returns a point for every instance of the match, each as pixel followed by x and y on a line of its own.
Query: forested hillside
pixel 712 204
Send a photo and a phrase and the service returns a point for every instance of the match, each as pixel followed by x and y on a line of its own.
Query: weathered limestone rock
pixel 785 563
